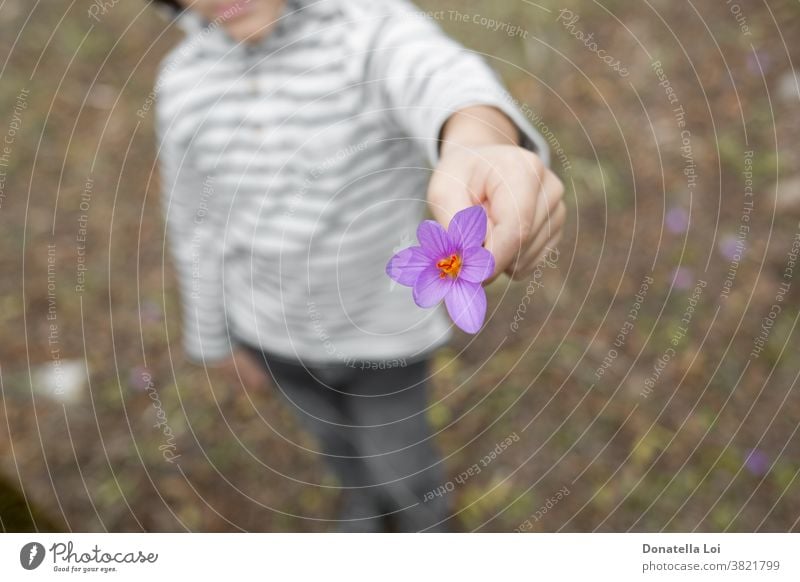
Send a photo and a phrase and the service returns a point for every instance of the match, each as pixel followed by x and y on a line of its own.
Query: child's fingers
pixel 453 187
pixel 549 199
pixel 549 216
pixel 514 195
pixel 547 238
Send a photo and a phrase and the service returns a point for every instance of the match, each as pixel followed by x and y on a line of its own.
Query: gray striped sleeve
pixel 424 77
pixel 195 245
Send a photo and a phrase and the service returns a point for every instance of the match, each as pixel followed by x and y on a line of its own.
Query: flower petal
pixel 433 239
pixel 477 264
pixel 430 288
pixel 405 266
pixel 468 227
pixel 466 304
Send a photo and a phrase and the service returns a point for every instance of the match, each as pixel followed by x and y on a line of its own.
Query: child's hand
pixel 522 198
pixel 244 367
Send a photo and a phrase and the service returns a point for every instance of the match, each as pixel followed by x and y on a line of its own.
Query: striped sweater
pixel 293 169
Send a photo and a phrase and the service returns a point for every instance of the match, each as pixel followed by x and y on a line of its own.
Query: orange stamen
pixel 449 266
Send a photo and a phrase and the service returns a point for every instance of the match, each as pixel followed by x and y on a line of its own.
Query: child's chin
pixel 247 32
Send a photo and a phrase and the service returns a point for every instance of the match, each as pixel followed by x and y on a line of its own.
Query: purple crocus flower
pixel 757 462
pixel 682 278
pixel 677 220
pixel 150 312
pixel 758 62
pixel 140 379
pixel 732 247
pixel 449 265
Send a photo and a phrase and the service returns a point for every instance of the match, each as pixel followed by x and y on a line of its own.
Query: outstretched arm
pixel 481 162
pixel 483 149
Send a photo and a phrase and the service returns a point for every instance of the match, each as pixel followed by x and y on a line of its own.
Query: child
pixel 295 138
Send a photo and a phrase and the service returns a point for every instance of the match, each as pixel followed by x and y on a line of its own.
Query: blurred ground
pixel 604 435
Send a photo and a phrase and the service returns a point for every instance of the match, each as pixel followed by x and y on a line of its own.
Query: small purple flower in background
pixel 732 247
pixel 140 379
pixel 757 62
pixel 682 278
pixel 757 462
pixel 449 265
pixel 150 312
pixel 677 220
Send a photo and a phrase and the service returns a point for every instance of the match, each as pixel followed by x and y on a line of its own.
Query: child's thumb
pixel 448 193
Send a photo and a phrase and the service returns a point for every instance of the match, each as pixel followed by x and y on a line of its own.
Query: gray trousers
pixel 373 433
